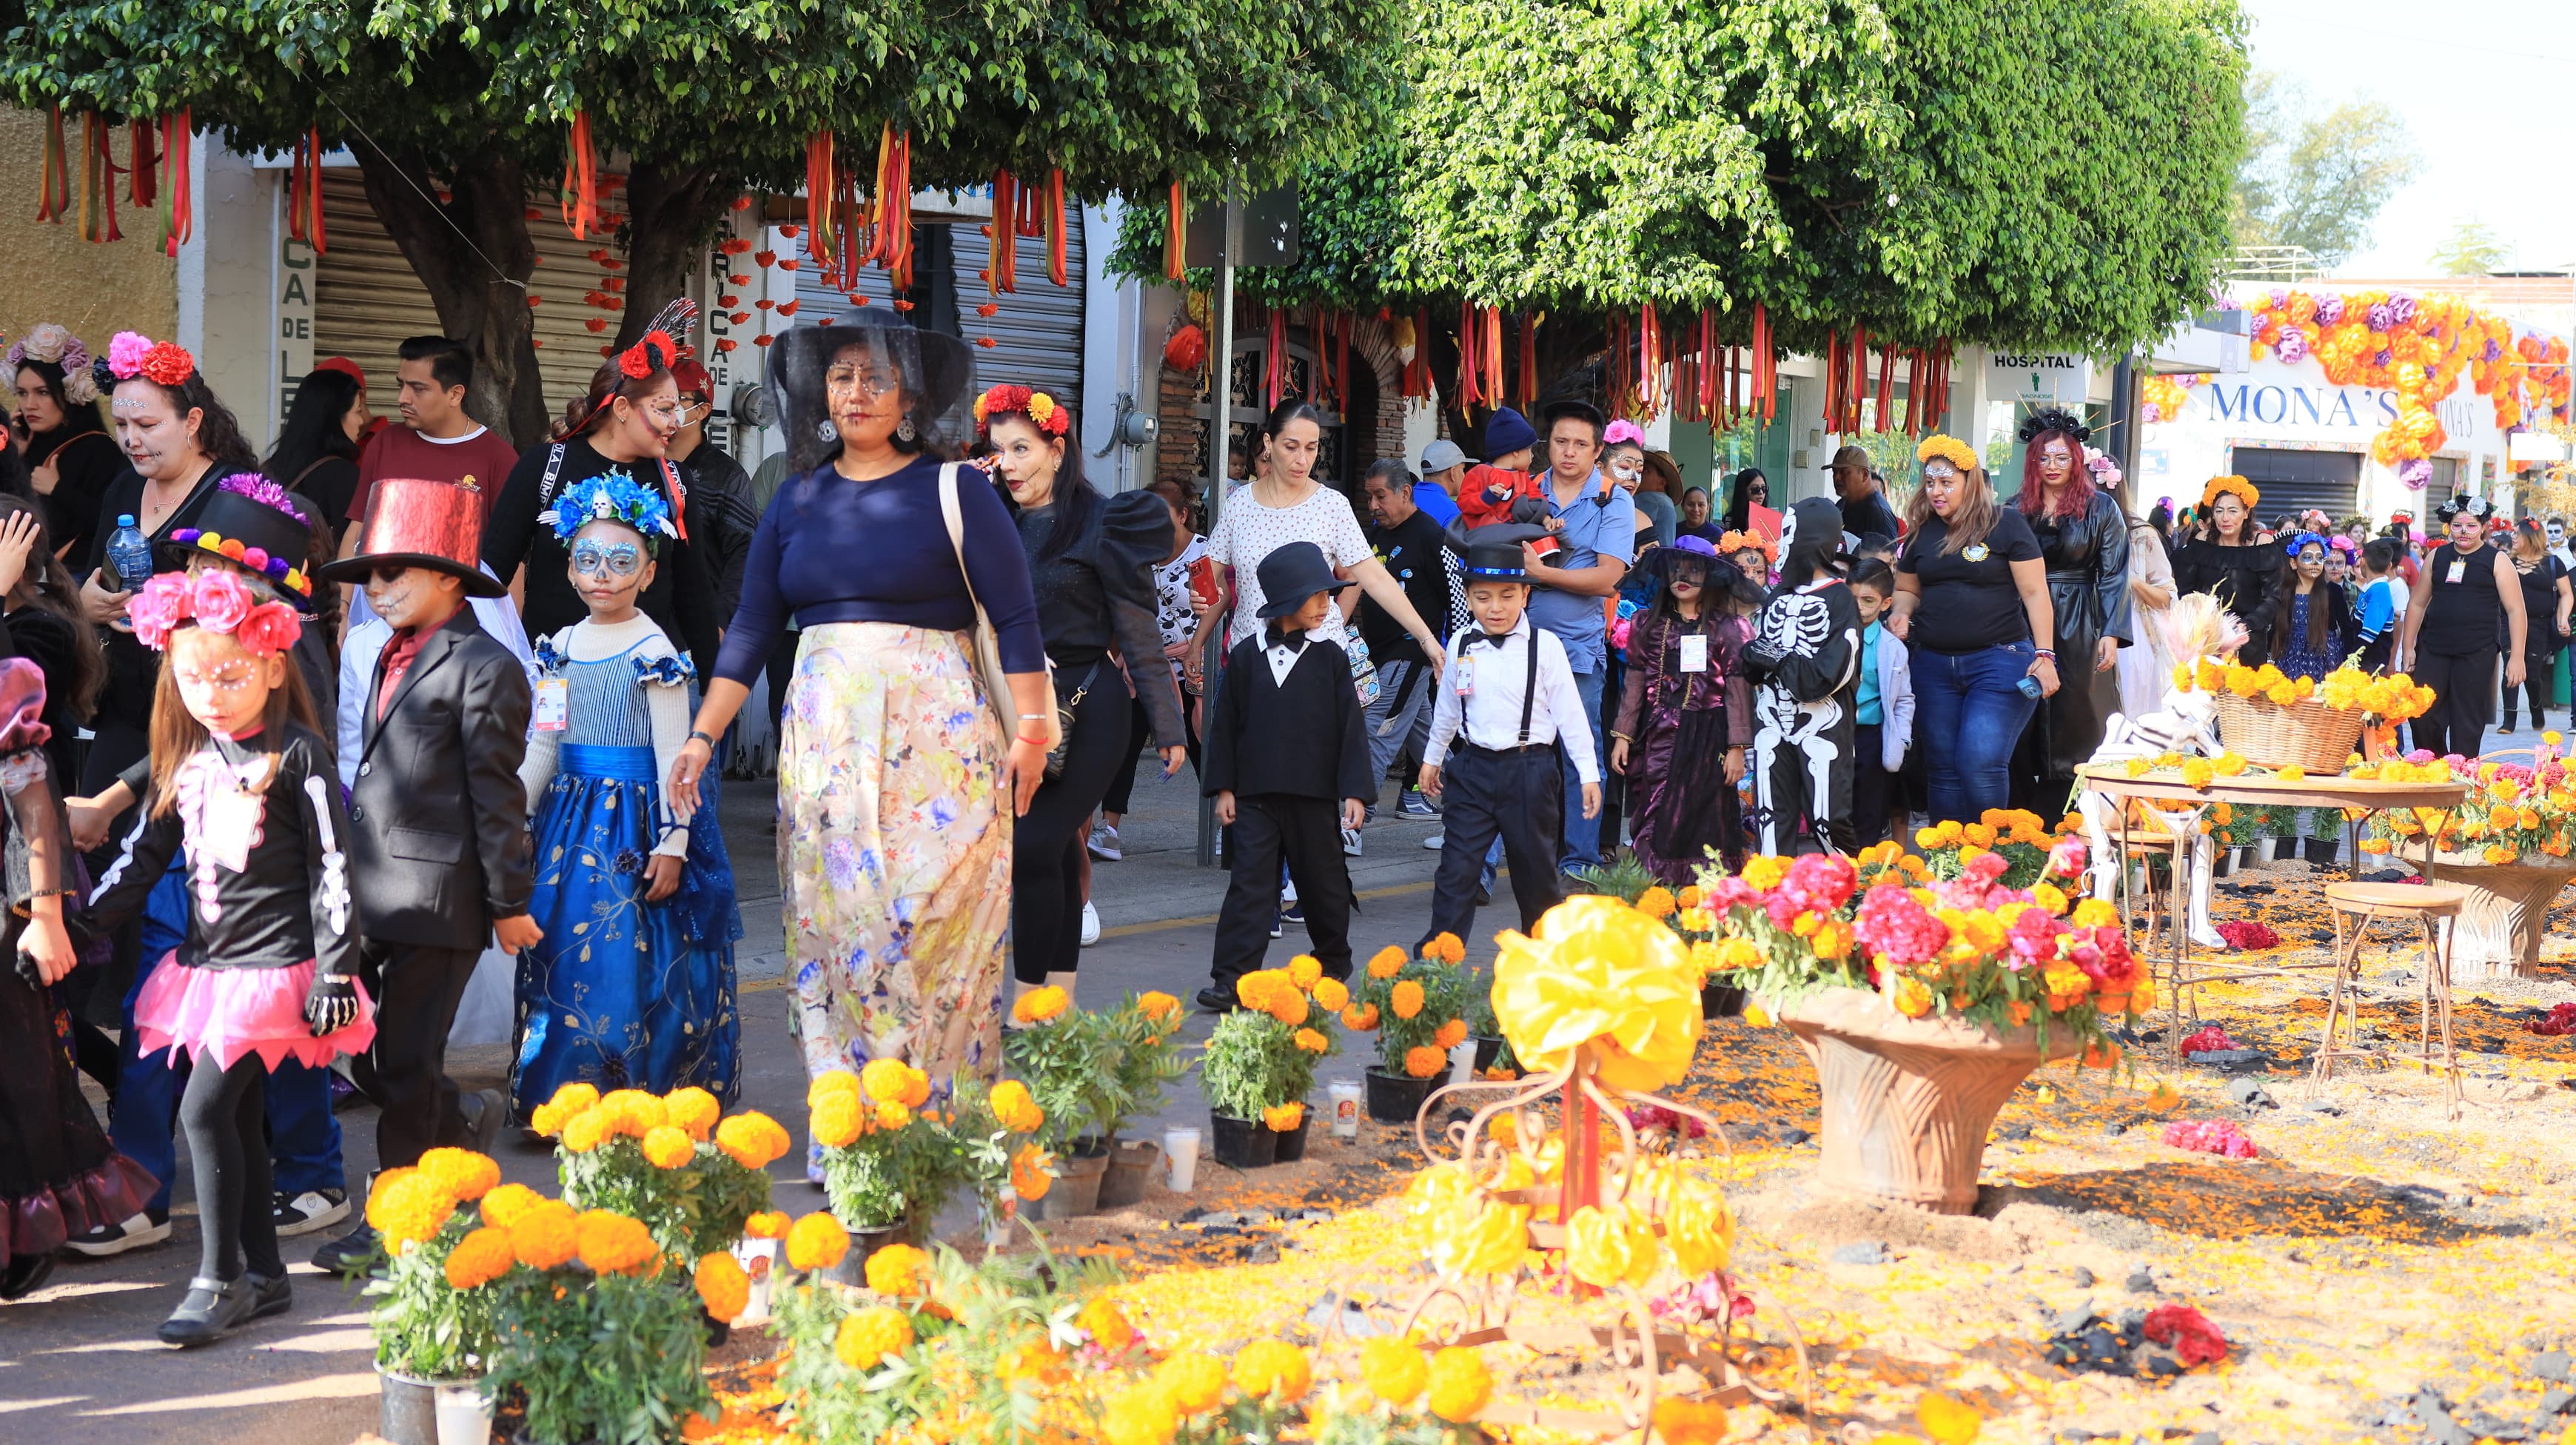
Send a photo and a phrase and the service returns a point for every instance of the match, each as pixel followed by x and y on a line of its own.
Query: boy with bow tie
pixel 1285 746
pixel 1508 704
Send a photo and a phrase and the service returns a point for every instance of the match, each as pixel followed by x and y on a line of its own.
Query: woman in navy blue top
pixel 897 778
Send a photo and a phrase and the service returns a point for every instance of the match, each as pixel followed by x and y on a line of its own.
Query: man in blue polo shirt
pixel 1597 541
pixel 1437 493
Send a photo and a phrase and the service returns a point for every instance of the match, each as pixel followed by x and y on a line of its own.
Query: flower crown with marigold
pixel 218 601
pixel 1731 543
pixel 612 496
pixel 131 354
pixel 2218 487
pixel 1949 449
pixel 1043 411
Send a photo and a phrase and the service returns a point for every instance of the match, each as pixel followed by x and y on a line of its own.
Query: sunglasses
pixel 618 559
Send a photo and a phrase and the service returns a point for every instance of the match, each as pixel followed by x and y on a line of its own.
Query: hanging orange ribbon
pixel 54 192
pixel 1650 363
pixel 1055 226
pixel 178 204
pixel 304 193
pixel 1175 244
pixel 1001 266
pixel 580 194
pixel 98 180
pixel 1417 372
pixel 1491 352
pixel 822 221
pixel 1274 376
pixel 891 246
pixel 1766 367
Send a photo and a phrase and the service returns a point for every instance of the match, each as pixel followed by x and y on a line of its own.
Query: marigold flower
pixel 693 1111
pixel 632 1112
pixel 572 1098
pixel 1764 872
pixel 2196 772
pixel 1451 1034
pixel 1259 989
pixel 1387 962
pixel 1833 940
pixel 816 1242
pixel 1040 1005
pixel 1196 1380
pixel 767 1224
pixel 893 1116
pixel 1304 970
pixel 1910 996
pixel 1108 1327
pixel 1360 1017
pixel 1311 1041
pixel 545 1236
pixel 611 1243
pixel 825 1085
pixel 752 1139
pixel 1393 1369
pixel 1273 1371
pixel 1680 1420
pixel 1016 1108
pixel 409 1210
pixel 668 1148
pixel 870 1335
pixel 464 1174
pixel 1289 1007
pixel 502 1204
pixel 1460 1385
pixel 899 1269
pixel 1610 1244
pixel 2096 913
pixel 1032 1172
pixel 1284 1118
pixel 1422 1061
pixel 1332 994
pixel 723 1287
pixel 883 1079
pixel 1405 1000
pixel 587 1130
pixel 481 1257
pixel 839 1120
pixel 1141 1414
pixel 1949 1421
pixel 1657 902
pixel 1445 948
pixel 1162 1008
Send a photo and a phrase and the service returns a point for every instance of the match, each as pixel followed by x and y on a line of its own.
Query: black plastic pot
pixel 1290 1147
pixel 1398 1098
pixel 1489 1047
pixel 1241 1143
pixel 1720 1000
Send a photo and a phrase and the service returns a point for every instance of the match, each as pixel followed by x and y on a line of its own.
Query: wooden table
pixel 2369 796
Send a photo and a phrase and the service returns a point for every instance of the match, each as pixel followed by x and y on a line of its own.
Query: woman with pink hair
pixel 2084 541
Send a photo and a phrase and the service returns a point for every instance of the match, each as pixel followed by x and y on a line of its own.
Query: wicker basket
pixel 2306 734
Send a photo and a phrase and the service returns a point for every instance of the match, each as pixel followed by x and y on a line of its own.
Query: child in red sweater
pixel 1488 492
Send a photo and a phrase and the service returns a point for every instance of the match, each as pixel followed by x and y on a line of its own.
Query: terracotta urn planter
pixel 1908 1101
pixel 2498 932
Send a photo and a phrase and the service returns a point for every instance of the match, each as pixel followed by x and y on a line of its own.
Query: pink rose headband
pixel 217 601
pixel 1622 430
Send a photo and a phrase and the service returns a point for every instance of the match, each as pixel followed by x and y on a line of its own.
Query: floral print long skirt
pixel 894 851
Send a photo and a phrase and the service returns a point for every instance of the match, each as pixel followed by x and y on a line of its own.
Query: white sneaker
pixel 1351 842
pixel 1103 843
pixel 138 1232
pixel 1090 925
pixel 311 1210
pixel 1436 842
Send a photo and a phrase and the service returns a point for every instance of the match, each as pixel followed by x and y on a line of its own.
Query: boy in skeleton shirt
pixel 1805 655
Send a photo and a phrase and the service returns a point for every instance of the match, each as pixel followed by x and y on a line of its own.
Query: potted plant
pixel 1417 1006
pixel 1260 1062
pixel 1066 1056
pixel 888 1166
pixel 993 1132
pixel 1494 1057
pixel 1144 1040
pixel 668 1160
pixel 431 1336
pixel 1921 1018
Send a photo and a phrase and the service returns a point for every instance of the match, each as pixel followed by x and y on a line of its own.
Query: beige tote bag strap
pixel 988 647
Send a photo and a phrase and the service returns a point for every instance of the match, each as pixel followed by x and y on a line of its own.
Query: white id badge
pixel 1462 675
pixel 1694 653
pixel 2459 572
pixel 552 696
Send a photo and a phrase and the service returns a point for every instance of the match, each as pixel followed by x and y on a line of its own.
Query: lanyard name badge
pixel 1694 652
pixel 552 703
pixel 2459 572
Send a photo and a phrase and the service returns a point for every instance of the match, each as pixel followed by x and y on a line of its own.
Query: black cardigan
pixel 1304 738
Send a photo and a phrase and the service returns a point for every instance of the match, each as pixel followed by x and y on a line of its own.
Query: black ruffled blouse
pixel 1097 592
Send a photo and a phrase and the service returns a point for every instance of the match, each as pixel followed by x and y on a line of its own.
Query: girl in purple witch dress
pixel 1686 712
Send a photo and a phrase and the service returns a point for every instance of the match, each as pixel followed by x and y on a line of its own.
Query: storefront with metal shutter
pixel 1036 330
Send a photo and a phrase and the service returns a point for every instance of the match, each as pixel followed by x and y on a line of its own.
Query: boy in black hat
pixel 1506 706
pixel 1285 745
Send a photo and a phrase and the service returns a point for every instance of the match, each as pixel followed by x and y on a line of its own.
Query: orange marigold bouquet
pixel 2021 838
pixel 889 1156
pixel 1417 1006
pixel 670 1160
pixel 1260 1059
pixel 428 1322
pixel 2514 811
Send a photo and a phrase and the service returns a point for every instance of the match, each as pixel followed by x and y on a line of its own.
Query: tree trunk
pixel 474 255
pixel 671 214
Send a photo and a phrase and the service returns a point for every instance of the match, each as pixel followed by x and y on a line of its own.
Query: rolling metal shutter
pixel 366 300
pixel 2293 481
pixel 1037 331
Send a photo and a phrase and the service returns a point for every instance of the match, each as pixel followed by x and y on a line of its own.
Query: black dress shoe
pixel 212 1310
pixel 1218 1000
pixel 352 1253
pixel 25 1275
pixel 270 1294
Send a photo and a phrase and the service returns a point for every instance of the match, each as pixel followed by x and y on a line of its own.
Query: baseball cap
pixel 1441 455
pixel 343 364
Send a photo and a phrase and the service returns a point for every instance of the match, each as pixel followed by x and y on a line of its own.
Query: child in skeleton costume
pixel 267 971
pixel 2195 626
pixel 1805 654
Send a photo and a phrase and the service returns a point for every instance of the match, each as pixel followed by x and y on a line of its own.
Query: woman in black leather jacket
pixel 2084 542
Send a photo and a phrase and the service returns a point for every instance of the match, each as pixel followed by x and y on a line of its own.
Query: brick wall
pixel 1181 398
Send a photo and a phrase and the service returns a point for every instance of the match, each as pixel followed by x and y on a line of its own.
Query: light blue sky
pixel 2488 92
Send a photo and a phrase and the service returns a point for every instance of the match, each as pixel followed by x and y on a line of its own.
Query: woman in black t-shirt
pixel 2466 589
pixel 1971 594
pixel 2230 561
pixel 2545 599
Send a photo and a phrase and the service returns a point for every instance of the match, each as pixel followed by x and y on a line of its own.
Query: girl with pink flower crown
pixel 241 778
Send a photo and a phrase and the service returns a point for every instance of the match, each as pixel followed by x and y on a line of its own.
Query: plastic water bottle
pixel 129 554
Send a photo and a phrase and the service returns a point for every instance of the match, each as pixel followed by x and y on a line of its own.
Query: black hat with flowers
pixel 258 525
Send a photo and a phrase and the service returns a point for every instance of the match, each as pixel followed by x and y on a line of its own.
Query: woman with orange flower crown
pixel 2224 560
pixel 267 971
pixel 1091 562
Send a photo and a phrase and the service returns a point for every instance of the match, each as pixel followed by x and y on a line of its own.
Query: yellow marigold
pixel 1257 989
pixel 899 1269
pixel 1981 834
pixel 1016 1108
pixel 1141 1414
pixel 1387 962
pixel 693 1111
pixel 839 1120
pixel 2229 765
pixel 481 1257
pixel 546 1121
pixel 1422 1061
pixel 1451 1034
pixel 1393 1369
pixel 825 1085
pixel 2095 913
pixel 572 1098
pixel 587 1130
pixel 2196 772
pixel 1405 1000
pixel 767 1224
pixel 1040 1005
pixel 723 1287
pixel 1460 1384
pixel 816 1242
pixel 752 1139
pixel 1289 1007
pixel 1764 872
pixel 1445 948
pixel 668 1148
pixel 461 1172
pixel 1657 902
pixel 1161 1007
pixel 2049 896
pixel 409 1210
pixel 1273 1371
pixel 1737 953
pixel 1284 1118
pixel 1701 1232
pixel 1304 970
pixel 1332 994
pixel 893 1116
pixel 1360 1017
pixel 1108 1327
pixel 1680 1420
pixel 2293 773
pixel 1032 1172
pixel 1911 996
pixel 2134 767
pixel 1610 1244
pixel 545 1237
pixel 1833 940
pixel 1948 1420
pixel 504 1203
pixel 1311 1041
pixel 611 1243
pixel 632 1112
pixel 870 1335
pixel 884 1081
pixel 1197 1381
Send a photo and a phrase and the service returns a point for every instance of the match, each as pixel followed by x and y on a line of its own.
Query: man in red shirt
pixel 437 441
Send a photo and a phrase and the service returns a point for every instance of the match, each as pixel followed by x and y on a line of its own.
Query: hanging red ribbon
pixel 892 218
pixel 1471 391
pixel 98 180
pixel 1417 372
pixel 580 194
pixel 1342 353
pixel 1274 372
pixel 1886 418
pixel 54 192
pixel 822 223
pixel 1002 266
pixel 1175 243
pixel 143 162
pixel 1528 391
pixel 179 213
pixel 1650 363
pixel 1055 226
pixel 304 193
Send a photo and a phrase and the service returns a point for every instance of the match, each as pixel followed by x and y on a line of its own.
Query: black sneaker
pixel 1413 805
pixel 1217 1000
pixel 140 1232
pixel 353 1253
pixel 25 1275
pixel 212 1310
pixel 311 1210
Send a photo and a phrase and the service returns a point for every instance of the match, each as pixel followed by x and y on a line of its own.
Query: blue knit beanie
pixel 1507 431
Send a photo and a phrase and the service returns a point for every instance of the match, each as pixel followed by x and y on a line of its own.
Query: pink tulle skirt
pixel 229 1012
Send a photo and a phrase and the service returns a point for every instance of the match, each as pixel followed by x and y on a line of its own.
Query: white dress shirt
pixel 1489 716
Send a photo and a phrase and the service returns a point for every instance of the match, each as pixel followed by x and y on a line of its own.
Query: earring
pixel 904 431
pixel 825 431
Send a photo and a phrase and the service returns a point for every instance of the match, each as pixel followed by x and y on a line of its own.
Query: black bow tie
pixel 1488 639
pixel 1293 641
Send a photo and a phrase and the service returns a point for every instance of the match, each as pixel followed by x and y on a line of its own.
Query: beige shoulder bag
pixel 988 646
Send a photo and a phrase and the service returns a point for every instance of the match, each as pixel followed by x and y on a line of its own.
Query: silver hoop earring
pixel 825 431
pixel 904 431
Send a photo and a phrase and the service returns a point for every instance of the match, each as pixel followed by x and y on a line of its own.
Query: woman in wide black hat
pixel 898 778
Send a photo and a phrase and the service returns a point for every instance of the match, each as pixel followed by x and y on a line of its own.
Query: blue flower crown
pixel 612 496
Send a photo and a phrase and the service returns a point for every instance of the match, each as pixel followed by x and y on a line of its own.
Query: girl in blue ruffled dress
pixel 633 986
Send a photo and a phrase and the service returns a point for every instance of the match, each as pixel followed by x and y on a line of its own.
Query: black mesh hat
pixel 932 370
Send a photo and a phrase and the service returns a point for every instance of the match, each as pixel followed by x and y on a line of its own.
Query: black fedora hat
pixel 1290 575
pixel 254 523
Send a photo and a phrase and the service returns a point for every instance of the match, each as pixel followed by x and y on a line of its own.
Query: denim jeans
pixel 1582 834
pixel 1969 711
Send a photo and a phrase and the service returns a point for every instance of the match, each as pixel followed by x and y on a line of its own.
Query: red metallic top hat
pixel 414 522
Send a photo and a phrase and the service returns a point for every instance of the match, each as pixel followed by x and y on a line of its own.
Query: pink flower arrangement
pixel 214 600
pixel 1895 928
pixel 125 353
pixel 2188 1333
pixel 161 606
pixel 2211 1136
pixel 2210 1040
pixel 1821 882
pixel 219 600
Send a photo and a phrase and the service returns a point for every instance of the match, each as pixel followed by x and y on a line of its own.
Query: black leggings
pixel 222 1112
pixel 2539 680
pixel 1046 845
pixel 2463 693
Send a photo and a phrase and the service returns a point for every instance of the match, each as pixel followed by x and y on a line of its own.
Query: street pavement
pixel 78 1360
